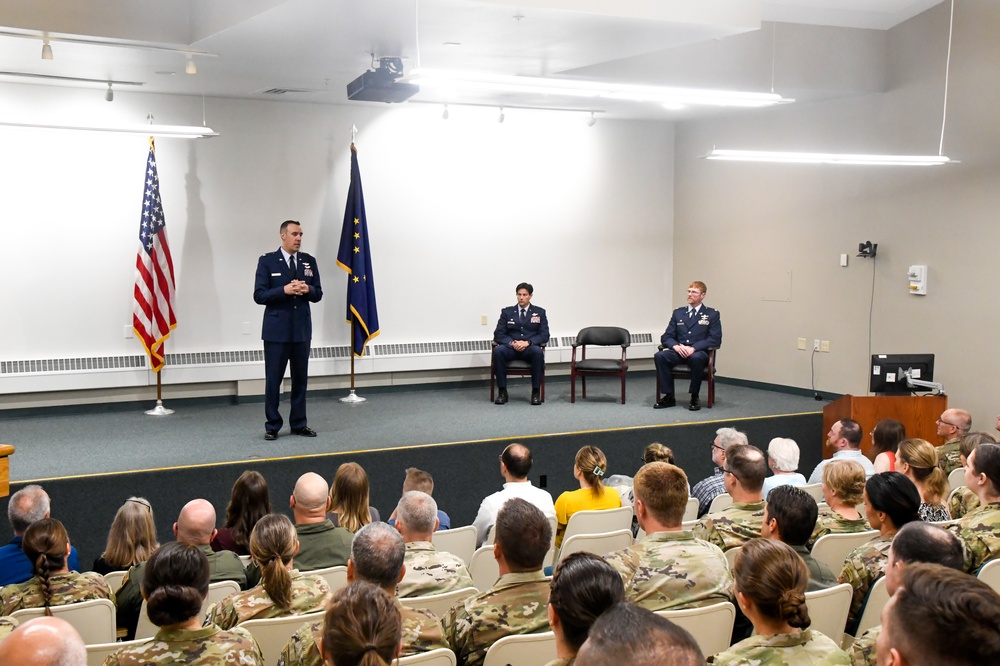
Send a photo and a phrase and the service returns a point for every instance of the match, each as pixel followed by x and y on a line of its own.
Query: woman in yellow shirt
pixel 589 470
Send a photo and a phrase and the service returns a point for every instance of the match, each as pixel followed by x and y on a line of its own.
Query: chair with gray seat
pixel 583 367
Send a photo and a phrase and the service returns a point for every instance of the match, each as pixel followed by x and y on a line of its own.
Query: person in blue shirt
pixel 27 505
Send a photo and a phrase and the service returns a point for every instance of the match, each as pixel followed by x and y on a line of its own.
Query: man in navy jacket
pixel 287 282
pixel 521 331
pixel 692 330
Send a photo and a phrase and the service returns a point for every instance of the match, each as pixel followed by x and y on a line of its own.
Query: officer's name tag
pixel 275 274
pixel 703 322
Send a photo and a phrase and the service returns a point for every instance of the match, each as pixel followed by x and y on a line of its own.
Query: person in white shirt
pixel 515 464
pixel 845 440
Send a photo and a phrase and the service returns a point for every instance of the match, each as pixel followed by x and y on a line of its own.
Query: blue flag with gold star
pixel 355 257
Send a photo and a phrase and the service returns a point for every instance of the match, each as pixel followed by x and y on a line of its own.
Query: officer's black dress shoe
pixel 270 435
pixel 695 404
pixel 664 402
pixel 536 398
pixel 501 397
pixel 305 432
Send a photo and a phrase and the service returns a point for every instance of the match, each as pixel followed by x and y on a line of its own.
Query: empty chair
pixel 711 626
pixel 98 652
pixel 439 604
pixel 94 619
pixel 731 555
pixel 828 610
pixel 598 521
pixel 336 577
pixel 989 573
pixel 216 592
pixel 600 336
pixel 522 650
pixel 484 568
pixel 272 633
pixel 460 541
pixel 720 502
pixel 598 544
pixel 956 478
pixel 691 510
pixel 878 596
pixel 114 579
pixel 439 657
pixel 815 490
pixel 833 549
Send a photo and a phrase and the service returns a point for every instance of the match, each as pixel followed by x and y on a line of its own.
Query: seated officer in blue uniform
pixel 691 331
pixel 287 282
pixel 520 334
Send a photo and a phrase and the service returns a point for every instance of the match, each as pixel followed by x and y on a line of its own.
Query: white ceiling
pixel 318 46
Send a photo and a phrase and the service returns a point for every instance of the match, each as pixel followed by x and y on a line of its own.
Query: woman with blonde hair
pixel 363 627
pixel 131 539
pixel 46 545
pixel 248 503
pixel 918 460
pixel 843 490
pixel 588 469
pixel 349 506
pixel 283 590
pixel 770 585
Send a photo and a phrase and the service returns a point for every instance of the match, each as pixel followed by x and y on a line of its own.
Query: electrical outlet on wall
pixel 824 346
pixel 802 344
pixel 815 345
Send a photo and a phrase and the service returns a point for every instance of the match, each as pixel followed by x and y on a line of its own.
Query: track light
pixel 190 67
pixel 444 114
pixel 46 50
pixel 110 95
pixel 592 120
pixel 501 117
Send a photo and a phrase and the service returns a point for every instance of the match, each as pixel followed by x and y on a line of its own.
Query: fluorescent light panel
pixel 670 96
pixel 165 131
pixel 826 158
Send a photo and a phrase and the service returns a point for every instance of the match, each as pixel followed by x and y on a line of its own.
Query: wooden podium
pixel 917 413
pixel 5 452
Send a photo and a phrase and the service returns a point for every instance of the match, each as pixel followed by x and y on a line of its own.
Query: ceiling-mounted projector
pixel 379 84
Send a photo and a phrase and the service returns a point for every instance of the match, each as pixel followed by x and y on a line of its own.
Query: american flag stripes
pixel 153 311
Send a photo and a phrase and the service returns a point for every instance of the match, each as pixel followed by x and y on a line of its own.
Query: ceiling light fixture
pixel 453 80
pixel 164 131
pixel 826 158
pixel 501 117
pixel 46 50
pixel 97 41
pixel 190 67
pixel 592 120
pixel 110 95
pixel 444 114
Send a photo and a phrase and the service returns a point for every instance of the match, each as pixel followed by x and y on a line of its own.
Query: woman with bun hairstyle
pixel 363 627
pixel 588 469
pixel 583 586
pixel 174 585
pixel 770 586
pixel 46 546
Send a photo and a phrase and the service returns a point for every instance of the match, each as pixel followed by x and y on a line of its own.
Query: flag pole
pixel 159 410
pixel 352 398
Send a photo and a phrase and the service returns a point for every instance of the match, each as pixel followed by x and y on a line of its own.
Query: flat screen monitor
pixel 888 377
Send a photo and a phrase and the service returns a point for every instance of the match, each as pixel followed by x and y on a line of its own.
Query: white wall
pixel 742 227
pixel 459 212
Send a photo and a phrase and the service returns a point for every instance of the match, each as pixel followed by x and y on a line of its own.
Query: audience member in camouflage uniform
pixel 962 500
pixel 843 490
pixel 771 584
pixel 914 543
pixel 789 517
pixel 711 487
pixel 377 553
pixel 195 526
pixel 891 501
pixel 517 603
pixel 744 475
pixel 283 590
pixel 940 616
pixel 47 545
pixel 583 586
pixel 7 625
pixel 43 641
pixel 175 584
pixel 952 426
pixel 980 529
pixel 321 543
pixel 428 570
pixel 629 634
pixel 669 568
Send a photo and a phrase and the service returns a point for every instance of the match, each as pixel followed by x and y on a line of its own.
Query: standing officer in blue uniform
pixel 520 334
pixel 691 331
pixel 287 282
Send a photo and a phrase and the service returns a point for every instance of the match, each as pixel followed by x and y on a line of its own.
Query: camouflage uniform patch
pixel 862 653
pixel 862 568
pixel 949 457
pixel 208 646
pixel 673 570
pixel 309 595
pixel 431 571
pixel 802 647
pixel 515 605
pixel 733 526
pixel 979 530
pixel 962 502
pixel 421 633
pixel 830 522
pixel 7 625
pixel 66 588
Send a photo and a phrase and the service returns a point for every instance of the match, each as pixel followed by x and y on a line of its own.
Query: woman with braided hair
pixel 770 586
pixel 46 545
pixel 589 469
pixel 283 590
pixel 363 627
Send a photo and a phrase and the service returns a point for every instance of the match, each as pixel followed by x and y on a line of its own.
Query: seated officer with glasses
pixel 743 474
pixel 692 331
pixel 708 489
pixel 951 427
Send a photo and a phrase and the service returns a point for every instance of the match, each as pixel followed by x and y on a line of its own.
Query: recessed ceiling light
pixel 165 73
pixel 453 43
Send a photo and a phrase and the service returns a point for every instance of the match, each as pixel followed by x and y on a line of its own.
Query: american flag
pixel 153 312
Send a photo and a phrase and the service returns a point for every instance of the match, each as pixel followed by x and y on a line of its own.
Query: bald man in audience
pixel 195 526
pixel 428 570
pixel 951 427
pixel 44 641
pixel 515 464
pixel 632 635
pixel 744 473
pixel 321 543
